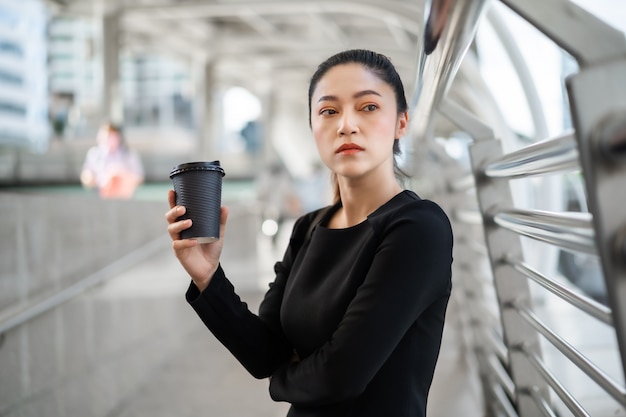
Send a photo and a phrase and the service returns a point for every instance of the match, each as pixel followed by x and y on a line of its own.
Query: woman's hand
pixel 199 260
pixel 87 178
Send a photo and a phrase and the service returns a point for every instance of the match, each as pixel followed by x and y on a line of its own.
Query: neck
pixel 360 200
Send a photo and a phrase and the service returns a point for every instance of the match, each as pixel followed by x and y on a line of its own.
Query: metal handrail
pixel 550 156
pixel 503 401
pixel 577 358
pixel 567 398
pixel 502 376
pixel 83 285
pixel 550 18
pixel 464 183
pixel 499 348
pixel 438 63
pixel 584 303
pixel 541 402
pixel 569 230
pixel 469 216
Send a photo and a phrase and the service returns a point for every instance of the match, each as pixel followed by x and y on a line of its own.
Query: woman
pixel 110 166
pixel 352 324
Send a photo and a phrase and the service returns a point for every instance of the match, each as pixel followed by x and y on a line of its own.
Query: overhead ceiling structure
pixel 259 41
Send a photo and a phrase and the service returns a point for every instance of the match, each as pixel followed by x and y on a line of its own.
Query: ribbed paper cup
pixel 198 187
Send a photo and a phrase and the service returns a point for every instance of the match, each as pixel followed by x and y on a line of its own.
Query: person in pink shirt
pixel 111 167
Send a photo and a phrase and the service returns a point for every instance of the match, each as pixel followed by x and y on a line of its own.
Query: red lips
pixel 347 147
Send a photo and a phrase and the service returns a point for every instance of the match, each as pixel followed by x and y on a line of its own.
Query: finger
pixel 175 228
pixel 182 244
pixel 171 198
pixel 174 213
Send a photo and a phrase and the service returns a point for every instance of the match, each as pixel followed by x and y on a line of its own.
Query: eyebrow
pixel 355 95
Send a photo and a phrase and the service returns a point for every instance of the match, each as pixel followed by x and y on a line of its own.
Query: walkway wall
pixel 91 353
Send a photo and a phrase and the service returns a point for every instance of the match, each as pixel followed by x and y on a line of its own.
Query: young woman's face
pixel 110 139
pixel 355 121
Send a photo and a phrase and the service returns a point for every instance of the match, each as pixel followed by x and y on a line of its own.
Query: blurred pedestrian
pixel 111 166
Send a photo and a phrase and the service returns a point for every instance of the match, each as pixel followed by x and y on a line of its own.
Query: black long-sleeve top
pixel 352 324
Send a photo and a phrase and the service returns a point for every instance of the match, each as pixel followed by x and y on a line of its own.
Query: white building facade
pixel 23 80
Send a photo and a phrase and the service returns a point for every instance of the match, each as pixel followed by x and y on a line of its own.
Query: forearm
pixel 243 333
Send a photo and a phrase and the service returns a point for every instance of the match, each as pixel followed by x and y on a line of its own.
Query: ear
pixel 402 124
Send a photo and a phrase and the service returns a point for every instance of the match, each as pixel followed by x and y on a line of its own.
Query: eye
pixel 370 107
pixel 327 112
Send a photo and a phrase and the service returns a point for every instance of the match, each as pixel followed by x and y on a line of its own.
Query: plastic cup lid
pixel 197 166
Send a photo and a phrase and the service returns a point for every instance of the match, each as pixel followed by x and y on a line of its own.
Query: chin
pixel 351 173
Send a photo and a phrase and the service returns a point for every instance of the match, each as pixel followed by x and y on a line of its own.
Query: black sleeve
pixel 257 342
pixel 410 272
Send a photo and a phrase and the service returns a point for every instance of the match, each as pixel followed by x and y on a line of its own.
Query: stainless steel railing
pixel 511 348
pixel 584 303
pixel 550 156
pixel 571 231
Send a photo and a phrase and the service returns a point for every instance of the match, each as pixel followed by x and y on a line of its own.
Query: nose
pixel 347 124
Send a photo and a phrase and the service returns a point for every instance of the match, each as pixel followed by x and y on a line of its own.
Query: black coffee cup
pixel 198 187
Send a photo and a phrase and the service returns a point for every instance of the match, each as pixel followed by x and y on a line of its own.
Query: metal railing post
pixel 601 134
pixel 502 245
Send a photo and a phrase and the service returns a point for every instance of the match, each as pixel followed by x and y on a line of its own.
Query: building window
pixel 9 78
pixel 10 48
pixel 12 108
